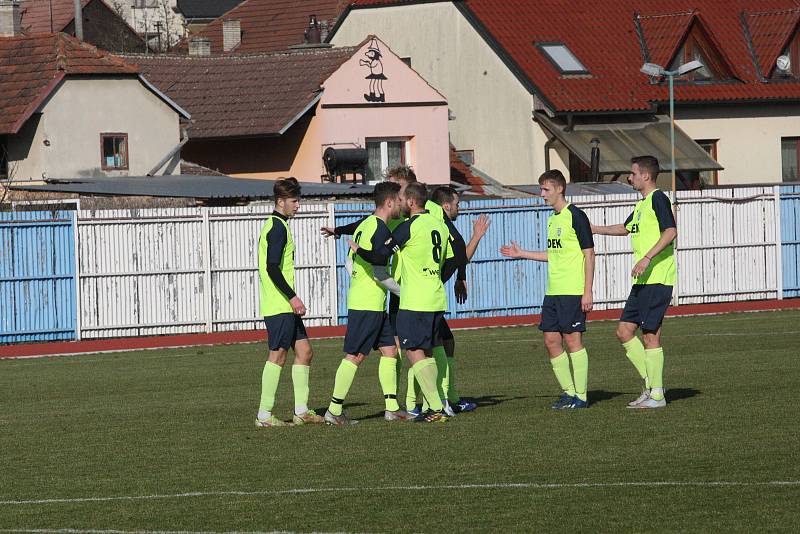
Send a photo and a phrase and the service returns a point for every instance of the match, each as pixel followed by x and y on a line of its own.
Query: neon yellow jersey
pixel 275 245
pixel 651 216
pixel 424 245
pixel 365 292
pixel 395 269
pixel 568 234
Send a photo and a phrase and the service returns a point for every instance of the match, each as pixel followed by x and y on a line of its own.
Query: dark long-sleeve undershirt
pixel 276 242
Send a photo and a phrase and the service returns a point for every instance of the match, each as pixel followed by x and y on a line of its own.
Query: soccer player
pixel 570 274
pixel 282 310
pixel 423 242
pixel 653 231
pixel 367 321
pixel 444 204
pixel 402 175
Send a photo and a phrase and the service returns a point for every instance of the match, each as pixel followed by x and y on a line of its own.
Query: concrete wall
pixel 749 145
pixel 73 118
pixel 492 109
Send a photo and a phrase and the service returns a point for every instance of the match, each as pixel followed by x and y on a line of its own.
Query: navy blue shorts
pixel 283 330
pixel 445 334
pixel 366 331
pixel 418 330
pixel 562 313
pixel 647 305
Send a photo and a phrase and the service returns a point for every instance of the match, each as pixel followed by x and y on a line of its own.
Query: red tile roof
pixel 236 96
pixel 271 25
pixel 461 173
pixel 770 32
pixel 31 67
pixel 36 15
pixel 603 36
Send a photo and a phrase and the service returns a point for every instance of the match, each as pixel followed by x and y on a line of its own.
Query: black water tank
pixel 344 160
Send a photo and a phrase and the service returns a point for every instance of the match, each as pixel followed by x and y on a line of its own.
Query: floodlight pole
pixel 671 77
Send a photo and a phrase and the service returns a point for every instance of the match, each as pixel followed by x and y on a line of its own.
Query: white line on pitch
pixel 300 491
pixel 96 531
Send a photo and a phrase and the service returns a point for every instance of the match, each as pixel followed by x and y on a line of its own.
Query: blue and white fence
pixel 37 276
pixel 790 239
pixel 95 274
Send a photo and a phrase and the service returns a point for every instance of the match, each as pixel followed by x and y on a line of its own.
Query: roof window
pixel 562 58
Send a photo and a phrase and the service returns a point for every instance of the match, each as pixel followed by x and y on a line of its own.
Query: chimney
pixel 323 31
pixel 9 18
pixel 78 19
pixel 200 46
pixel 231 34
pixel 312 34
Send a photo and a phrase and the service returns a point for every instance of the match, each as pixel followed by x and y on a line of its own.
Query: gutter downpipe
pixel 170 154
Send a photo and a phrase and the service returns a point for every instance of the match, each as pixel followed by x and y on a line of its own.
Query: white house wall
pixel 75 115
pixel 492 109
pixel 749 146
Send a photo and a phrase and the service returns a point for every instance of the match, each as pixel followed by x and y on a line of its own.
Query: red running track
pixel 32 350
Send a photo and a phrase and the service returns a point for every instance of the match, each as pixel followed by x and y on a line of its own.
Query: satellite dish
pixel 784 63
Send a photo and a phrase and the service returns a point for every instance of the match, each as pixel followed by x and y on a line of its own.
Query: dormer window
pixel 698 47
pixel 562 58
pixel 788 63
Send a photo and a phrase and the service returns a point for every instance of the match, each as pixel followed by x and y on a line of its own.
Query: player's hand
pixel 640 267
pixel 586 302
pixel 460 288
pixel 512 250
pixel 297 306
pixel 353 246
pixel 481 225
pixel 327 231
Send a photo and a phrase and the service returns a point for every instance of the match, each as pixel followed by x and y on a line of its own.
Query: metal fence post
pixel 778 242
pixel 332 286
pixel 207 290
pixel 76 258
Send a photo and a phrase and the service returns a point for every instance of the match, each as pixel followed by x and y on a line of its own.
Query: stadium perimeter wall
pixel 130 273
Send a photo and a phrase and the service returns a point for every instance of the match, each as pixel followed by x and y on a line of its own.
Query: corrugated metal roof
pixel 624 139
pixel 583 188
pixel 189 186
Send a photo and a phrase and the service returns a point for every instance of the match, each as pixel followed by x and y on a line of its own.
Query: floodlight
pixel 686 68
pixel 651 69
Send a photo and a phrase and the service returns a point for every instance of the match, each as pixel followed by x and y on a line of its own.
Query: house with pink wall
pixel 273 115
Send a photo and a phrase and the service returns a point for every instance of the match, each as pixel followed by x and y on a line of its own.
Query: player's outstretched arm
pixel 587 301
pixel 479 228
pixel 614 229
pixel 514 251
pixel 383 277
pixel 347 229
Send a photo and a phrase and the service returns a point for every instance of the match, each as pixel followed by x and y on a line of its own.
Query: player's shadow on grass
pixel 676 394
pixel 482 402
pixel 491 400
pixel 600 395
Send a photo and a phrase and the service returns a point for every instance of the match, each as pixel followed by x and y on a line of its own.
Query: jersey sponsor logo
pixel 635 228
pixel 554 243
pixel 431 272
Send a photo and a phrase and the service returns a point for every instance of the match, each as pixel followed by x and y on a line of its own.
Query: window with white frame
pixel 383 154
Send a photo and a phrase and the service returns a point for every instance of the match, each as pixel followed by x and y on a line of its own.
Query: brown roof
pixel 243 95
pixel 271 25
pixel 31 67
pixel 461 173
pixel 36 15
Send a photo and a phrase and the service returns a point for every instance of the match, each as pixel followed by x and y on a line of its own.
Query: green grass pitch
pixel 164 441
